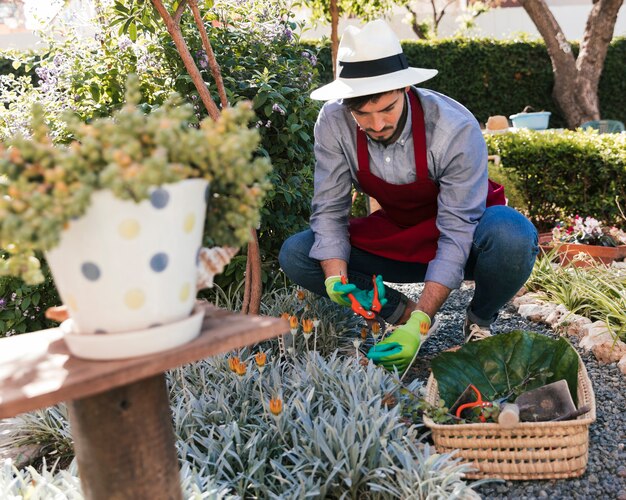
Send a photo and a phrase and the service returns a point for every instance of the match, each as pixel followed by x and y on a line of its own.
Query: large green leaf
pixel 504 364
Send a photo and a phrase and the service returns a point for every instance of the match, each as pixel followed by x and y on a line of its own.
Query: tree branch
pixel 598 34
pixel 206 43
pixel 558 47
pixel 334 36
pixel 179 11
pixel 173 29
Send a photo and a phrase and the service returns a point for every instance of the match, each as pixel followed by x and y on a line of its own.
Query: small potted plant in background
pixel 119 212
pixel 589 236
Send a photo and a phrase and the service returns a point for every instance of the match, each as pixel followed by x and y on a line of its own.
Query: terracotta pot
pixel 605 255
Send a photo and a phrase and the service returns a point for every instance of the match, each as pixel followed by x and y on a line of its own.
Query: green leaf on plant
pixel 506 364
pixel 16 64
pixel 94 89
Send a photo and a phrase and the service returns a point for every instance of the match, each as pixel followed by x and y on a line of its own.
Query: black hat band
pixel 375 67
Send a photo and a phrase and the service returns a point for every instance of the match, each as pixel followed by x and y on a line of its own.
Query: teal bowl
pixel 534 121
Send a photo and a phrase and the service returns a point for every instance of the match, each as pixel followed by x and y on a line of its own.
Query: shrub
pixel 564 173
pixel 504 76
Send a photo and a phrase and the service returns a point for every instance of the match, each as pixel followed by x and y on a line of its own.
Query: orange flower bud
pixel 307 325
pixel 376 328
pixel 233 363
pixel 300 294
pixel 260 358
pixel 285 316
pixel 240 369
pixel 293 322
pixel 276 406
pixel 364 334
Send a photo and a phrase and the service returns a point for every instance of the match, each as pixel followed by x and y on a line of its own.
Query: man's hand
pixel 338 292
pixel 401 347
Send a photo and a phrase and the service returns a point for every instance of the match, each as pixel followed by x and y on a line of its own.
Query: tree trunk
pixel 334 37
pixel 576 80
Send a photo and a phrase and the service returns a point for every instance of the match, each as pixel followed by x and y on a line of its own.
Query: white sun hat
pixel 369 61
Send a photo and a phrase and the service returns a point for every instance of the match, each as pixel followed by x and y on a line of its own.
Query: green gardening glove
pixel 401 347
pixel 338 292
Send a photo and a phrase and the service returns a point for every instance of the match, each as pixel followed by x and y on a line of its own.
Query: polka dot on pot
pixel 134 298
pixel 159 198
pixel 190 222
pixel 159 262
pixel 128 229
pixel 90 271
pixel 71 303
pixel 184 292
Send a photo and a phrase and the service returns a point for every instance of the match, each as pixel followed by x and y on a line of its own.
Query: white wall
pixel 497 23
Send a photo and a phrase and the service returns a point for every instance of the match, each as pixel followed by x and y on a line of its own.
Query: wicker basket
pixel 531 450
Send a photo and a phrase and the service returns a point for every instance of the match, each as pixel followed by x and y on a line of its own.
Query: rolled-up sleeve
pixel 461 202
pixel 331 198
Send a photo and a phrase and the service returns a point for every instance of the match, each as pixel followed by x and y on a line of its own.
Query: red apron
pixel 405 228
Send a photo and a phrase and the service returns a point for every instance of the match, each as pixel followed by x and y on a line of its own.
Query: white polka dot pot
pixel 127 267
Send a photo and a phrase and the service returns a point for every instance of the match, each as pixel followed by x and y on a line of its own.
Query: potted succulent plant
pixel 119 212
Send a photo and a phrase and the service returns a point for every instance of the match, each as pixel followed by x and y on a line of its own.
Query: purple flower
pixel 288 34
pixel 3 304
pixel 277 109
pixel 202 58
pixel 124 42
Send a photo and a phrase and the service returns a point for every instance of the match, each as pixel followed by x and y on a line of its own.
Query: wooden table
pixel 119 410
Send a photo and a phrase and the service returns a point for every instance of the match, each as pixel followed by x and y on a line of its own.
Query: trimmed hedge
pixel 501 77
pixel 565 173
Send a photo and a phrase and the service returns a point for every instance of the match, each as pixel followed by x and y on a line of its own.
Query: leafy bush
pixel 564 173
pixel 261 60
pixel 505 75
pixel 22 307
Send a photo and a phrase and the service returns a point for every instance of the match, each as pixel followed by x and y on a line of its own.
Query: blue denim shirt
pixel 457 163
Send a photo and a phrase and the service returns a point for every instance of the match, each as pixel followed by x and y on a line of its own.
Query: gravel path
pixel 606 471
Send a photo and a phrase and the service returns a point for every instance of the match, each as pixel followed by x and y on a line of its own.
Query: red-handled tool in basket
pixel 479 403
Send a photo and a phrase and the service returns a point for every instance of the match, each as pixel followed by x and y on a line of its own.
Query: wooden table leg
pixel 124 443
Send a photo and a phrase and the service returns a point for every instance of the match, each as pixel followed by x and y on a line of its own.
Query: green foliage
pixel 46 185
pixel 261 60
pixel 563 173
pixel 320 9
pixel 504 75
pixel 596 292
pixel 506 365
pixel 22 307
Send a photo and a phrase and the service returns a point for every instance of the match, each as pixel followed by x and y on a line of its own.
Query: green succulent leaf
pixel 506 365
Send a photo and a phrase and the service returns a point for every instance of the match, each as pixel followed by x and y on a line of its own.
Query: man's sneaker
pixel 474 332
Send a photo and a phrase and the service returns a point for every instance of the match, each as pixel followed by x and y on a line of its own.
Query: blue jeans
pixel 501 259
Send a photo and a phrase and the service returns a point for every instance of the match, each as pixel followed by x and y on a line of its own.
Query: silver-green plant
pixel 45 185
pixel 336 434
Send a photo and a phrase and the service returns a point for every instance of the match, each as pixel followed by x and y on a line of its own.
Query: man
pixel 422 156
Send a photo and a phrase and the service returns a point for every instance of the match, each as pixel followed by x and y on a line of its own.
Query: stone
pixel 621 364
pixel 573 324
pixel 536 312
pixel 554 318
pixel 595 333
pixel 529 298
pixel 609 352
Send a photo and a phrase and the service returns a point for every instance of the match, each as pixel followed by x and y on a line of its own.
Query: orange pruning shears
pixel 372 314
pixel 479 403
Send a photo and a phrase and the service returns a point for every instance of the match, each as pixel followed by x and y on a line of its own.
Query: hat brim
pixel 344 88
